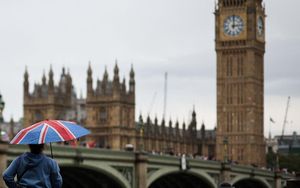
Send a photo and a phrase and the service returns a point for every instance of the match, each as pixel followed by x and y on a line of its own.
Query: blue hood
pixel 34 170
pixel 31 160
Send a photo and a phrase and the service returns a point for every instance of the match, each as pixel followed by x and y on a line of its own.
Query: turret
pixel 104 81
pixel 44 79
pixel 63 82
pixel 177 129
pixel 148 126
pixel 89 81
pixel 50 81
pixel 170 129
pixel 11 128
pixel 203 131
pixel 63 71
pixel 183 130
pixel 2 106
pixel 131 81
pixel 141 124
pixel 163 127
pixel 124 86
pixel 69 83
pixel 194 116
pixel 193 125
pixel 156 130
pixel 116 73
pixel 116 80
pixel 26 83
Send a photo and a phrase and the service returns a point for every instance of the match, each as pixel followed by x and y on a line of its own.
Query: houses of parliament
pixel 109 109
pixel 109 112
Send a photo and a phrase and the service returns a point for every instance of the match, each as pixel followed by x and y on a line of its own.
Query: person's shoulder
pixel 50 160
pixel 20 157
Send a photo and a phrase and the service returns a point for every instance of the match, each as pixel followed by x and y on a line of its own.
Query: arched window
pixel 103 115
pixel 38 116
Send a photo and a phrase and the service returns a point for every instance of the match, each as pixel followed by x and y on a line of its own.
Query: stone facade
pixel 170 139
pixel 109 112
pixel 110 109
pixel 240 48
pixel 49 101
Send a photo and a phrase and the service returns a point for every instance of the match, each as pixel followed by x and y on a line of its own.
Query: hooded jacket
pixel 33 171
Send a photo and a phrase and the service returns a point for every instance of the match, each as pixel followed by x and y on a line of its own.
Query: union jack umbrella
pixel 49 131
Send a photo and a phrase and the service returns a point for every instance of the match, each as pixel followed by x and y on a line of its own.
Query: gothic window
pixel 234 97
pixel 61 116
pixel 242 154
pixel 243 121
pixel 240 65
pixel 103 115
pixel 229 122
pixel 238 122
pixel 240 93
pixel 229 66
pixel 200 149
pixel 127 117
pixel 230 93
pixel 38 116
pixel 102 142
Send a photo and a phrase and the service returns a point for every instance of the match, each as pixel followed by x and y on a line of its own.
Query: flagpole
pixel 270 129
pixel 270 121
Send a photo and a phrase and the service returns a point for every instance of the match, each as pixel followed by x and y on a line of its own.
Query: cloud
pixel 173 36
pixel 282 67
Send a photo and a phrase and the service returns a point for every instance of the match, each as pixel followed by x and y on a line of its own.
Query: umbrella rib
pixel 43 133
pixel 72 122
pixel 39 133
pixel 61 138
pixel 18 138
pixel 66 129
pixel 57 127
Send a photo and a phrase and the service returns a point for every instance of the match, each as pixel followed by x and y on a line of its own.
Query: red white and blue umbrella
pixel 49 131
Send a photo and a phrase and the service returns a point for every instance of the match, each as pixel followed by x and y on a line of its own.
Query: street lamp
pixel 2 105
pixel 225 142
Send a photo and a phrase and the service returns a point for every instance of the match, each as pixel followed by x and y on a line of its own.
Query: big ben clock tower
pixel 240 48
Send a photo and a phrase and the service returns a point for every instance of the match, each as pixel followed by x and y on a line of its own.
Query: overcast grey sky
pixel 155 36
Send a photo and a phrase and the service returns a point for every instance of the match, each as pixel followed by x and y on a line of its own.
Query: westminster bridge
pixel 85 168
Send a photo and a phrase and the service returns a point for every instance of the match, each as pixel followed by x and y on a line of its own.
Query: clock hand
pixel 233 25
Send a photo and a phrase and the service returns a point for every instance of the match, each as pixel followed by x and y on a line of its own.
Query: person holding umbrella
pixel 34 169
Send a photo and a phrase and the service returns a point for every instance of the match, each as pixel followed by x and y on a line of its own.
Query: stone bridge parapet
pixel 83 167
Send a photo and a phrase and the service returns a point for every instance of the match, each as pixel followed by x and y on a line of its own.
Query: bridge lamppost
pixel 141 130
pixel 2 105
pixel 225 142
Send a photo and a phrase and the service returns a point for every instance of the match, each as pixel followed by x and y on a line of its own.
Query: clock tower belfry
pixel 240 48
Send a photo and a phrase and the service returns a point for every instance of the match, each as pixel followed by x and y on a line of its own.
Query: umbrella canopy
pixel 49 131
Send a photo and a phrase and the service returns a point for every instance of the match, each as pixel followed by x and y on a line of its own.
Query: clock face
pixel 260 25
pixel 233 25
